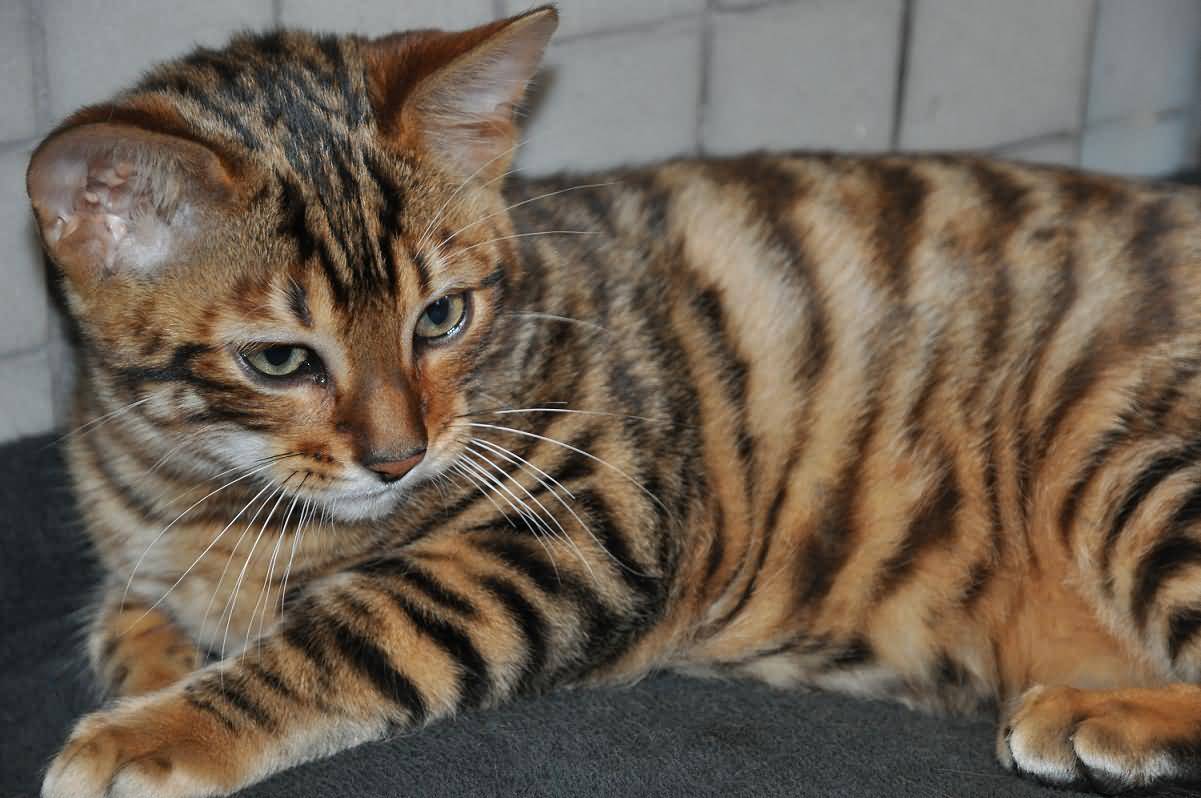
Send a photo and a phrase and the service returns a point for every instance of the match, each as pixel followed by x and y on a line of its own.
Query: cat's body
pixel 912 427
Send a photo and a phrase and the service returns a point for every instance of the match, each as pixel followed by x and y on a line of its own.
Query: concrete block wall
pixel 1110 85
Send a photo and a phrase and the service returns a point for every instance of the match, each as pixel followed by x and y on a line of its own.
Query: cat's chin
pixel 366 505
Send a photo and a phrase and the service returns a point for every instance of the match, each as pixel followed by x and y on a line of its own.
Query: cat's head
pixel 292 252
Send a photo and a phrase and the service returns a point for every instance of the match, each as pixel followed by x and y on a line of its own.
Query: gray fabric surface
pixel 668 736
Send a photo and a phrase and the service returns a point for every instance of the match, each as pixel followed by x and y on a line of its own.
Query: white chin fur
pixel 351 507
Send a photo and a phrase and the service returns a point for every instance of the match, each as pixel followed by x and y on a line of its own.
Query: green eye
pixel 280 360
pixel 442 318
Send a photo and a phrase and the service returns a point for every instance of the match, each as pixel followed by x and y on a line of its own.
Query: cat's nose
pixel 391 467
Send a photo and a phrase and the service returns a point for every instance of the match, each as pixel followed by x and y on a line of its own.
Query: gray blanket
pixel 668 736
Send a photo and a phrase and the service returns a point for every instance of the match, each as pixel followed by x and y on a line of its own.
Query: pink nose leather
pixel 392 470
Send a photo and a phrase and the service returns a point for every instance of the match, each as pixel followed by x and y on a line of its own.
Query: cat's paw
pixel 141 650
pixel 156 747
pixel 1102 740
pixel 141 675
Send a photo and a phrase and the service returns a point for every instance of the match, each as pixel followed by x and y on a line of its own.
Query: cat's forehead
pixel 297 106
pixel 299 101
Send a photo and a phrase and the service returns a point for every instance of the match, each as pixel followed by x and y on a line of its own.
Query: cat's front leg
pixel 322 682
pixel 137 648
pixel 391 645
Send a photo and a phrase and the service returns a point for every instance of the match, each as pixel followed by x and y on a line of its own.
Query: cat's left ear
pixel 455 95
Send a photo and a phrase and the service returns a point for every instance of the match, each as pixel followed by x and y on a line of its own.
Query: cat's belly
pixel 944 691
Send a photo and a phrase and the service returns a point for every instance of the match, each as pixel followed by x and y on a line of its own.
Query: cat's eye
pixel 442 318
pixel 281 360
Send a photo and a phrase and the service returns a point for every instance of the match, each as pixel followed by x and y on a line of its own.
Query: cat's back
pixel 903 210
pixel 814 250
pixel 826 265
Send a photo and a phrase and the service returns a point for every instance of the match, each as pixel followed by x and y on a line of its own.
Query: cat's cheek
pixel 157 746
pixel 443 404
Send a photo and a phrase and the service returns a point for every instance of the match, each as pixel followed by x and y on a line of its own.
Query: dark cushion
pixel 667 736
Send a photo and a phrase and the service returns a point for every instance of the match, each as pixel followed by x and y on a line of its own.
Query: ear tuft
pixel 461 90
pixel 111 198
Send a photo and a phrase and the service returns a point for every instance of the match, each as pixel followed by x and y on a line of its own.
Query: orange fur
pixel 921 427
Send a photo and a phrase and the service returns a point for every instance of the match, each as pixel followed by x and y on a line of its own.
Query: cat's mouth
pixel 366 504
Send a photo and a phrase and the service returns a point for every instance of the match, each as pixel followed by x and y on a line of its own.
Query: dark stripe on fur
pixel 1166 559
pixel 272 681
pixel 773 517
pixel 233 693
pixel 931 528
pixel 209 709
pixel 897 224
pixel 404 569
pixel 1096 458
pixel 1148 480
pixel 528 618
pixel 1183 627
pixel 298 302
pixel 829 544
pixel 474 679
pixel 294 224
pixel 373 663
pixel 520 557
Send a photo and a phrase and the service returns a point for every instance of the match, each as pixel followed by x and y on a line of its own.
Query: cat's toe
pixel 147 749
pixel 84 768
pixel 1091 740
pixel 1118 758
pixel 1037 743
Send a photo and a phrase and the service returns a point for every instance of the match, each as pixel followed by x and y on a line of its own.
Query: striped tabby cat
pixel 377 434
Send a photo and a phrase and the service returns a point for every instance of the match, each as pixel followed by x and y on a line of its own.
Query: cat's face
pixel 291 254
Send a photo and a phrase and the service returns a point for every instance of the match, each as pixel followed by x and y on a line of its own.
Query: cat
pixel 377 432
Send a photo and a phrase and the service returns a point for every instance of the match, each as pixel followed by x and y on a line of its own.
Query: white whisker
pixel 202 554
pixel 479 244
pixel 109 416
pixel 547 195
pixel 231 605
pixel 532 314
pixel 296 536
pixel 438 215
pixel 509 411
pixel 458 468
pixel 577 450
pixel 523 515
pixel 510 498
pixel 564 535
pixel 187 439
pixel 509 453
pixel 229 560
pixel 265 591
pixel 517 459
pixel 270 459
pixel 197 503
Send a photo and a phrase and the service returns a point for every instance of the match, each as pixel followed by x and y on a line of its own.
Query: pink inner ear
pixel 95 212
pixel 113 198
pixel 466 109
pixel 86 196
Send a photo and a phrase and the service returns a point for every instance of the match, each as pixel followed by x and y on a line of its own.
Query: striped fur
pixel 921 427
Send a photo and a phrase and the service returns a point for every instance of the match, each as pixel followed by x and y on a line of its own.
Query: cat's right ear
pixel 113 198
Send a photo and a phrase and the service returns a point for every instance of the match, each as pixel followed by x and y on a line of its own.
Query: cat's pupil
pixel 277 355
pixel 439 311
